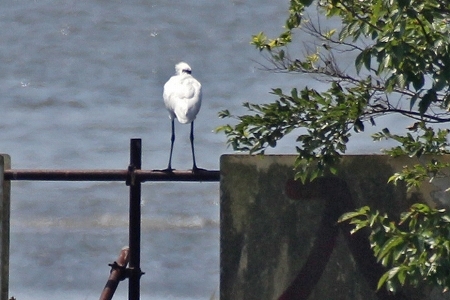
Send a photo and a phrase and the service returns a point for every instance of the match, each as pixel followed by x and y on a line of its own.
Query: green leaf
pixel 403 3
pixel 351 215
pixel 418 81
pixel 382 280
pixel 389 245
pixel 427 99
pixel 401 80
pixel 363 58
pixel 413 101
pixel 224 114
pixel 421 207
pixel 293 21
pixel 358 125
pixel 330 33
pixel 401 275
pixel 440 82
pixel 306 2
pixel 446 218
pixel 386 278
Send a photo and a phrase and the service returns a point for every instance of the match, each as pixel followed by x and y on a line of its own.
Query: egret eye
pixel 187 71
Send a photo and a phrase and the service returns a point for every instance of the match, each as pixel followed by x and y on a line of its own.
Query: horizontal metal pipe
pixel 110 175
pixel 200 175
pixel 66 175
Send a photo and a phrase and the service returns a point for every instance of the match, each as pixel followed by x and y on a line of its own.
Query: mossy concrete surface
pixel 280 240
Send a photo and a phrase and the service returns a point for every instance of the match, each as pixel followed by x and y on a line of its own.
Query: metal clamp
pixel 122 270
pixel 133 271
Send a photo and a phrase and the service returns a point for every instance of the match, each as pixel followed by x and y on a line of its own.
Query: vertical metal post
pixel 5 192
pixel 135 220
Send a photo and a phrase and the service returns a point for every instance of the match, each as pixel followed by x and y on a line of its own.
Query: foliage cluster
pixel 416 249
pixel 402 66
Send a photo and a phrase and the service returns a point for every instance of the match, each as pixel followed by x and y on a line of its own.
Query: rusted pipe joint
pixel 122 270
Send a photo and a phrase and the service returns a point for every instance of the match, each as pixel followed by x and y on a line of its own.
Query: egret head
pixel 182 67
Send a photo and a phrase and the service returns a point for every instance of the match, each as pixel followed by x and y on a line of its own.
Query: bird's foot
pixel 167 170
pixel 197 170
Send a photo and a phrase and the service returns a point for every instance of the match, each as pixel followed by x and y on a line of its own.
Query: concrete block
pixel 279 238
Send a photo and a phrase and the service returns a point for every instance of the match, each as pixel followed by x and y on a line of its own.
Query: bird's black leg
pixel 194 166
pixel 172 140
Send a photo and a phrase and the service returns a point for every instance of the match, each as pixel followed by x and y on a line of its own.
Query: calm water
pixel 78 79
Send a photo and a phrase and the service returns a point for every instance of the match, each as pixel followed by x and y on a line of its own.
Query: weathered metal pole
pixel 118 273
pixel 110 175
pixel 135 220
pixel 5 210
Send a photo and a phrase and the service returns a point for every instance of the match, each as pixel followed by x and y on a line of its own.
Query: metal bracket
pixel 131 271
pixel 122 270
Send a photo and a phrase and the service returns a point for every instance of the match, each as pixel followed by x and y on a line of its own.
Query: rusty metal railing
pixel 110 175
pixel 133 176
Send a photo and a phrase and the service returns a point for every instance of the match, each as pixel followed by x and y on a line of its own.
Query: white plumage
pixel 183 98
pixel 183 94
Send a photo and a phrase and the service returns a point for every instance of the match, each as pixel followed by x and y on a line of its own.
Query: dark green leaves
pixel 358 125
pixel 363 58
pixel 293 21
pixel 416 246
pixel 421 139
pixel 402 46
pixel 305 2
pixel 426 101
pixel 417 80
pixel 326 119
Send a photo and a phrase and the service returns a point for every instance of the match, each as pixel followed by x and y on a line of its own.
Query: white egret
pixel 183 98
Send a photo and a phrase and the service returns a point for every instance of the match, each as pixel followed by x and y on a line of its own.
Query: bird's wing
pixel 182 97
